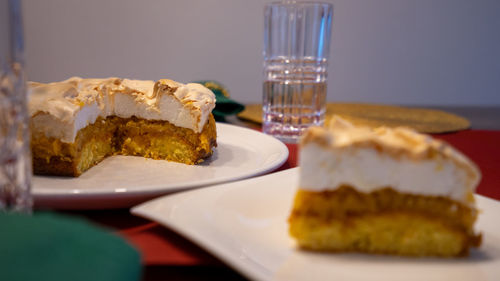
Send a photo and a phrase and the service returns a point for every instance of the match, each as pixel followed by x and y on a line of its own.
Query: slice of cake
pixel 387 191
pixel 78 122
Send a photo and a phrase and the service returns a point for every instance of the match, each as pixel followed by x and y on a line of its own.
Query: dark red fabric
pixel 160 246
pixel 292 160
pixel 482 147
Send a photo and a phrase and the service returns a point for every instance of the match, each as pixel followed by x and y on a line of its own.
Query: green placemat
pixel 53 247
pixel 224 105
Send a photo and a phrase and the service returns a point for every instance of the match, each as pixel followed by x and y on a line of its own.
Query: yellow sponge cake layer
pixel 383 221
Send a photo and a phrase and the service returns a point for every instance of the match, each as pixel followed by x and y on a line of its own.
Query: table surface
pixel 167 255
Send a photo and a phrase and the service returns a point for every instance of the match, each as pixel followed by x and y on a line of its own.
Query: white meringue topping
pixel 370 159
pixel 61 109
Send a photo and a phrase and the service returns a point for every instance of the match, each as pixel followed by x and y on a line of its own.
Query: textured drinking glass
pixel 296 49
pixel 15 157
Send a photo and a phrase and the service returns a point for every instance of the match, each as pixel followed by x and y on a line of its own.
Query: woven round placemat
pixel 375 115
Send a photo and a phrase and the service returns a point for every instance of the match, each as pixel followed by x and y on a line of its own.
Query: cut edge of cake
pixel 78 122
pixel 357 193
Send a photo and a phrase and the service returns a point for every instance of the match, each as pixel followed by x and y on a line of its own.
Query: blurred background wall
pixel 412 52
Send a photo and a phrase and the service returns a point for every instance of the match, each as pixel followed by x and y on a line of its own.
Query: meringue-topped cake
pixel 387 191
pixel 78 122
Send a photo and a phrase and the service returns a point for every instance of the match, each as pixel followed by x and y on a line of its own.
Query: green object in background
pixel 224 105
pixel 53 247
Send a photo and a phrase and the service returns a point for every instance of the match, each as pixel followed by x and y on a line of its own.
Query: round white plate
pixel 122 181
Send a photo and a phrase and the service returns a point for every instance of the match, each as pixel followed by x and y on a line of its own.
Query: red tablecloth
pixel 482 147
pixel 162 247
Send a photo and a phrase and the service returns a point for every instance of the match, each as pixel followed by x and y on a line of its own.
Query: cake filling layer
pixel 345 202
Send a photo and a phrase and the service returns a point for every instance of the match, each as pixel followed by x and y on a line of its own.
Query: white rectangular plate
pixel 245 224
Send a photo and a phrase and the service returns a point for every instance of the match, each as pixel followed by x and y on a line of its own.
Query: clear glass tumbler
pixel 15 156
pixel 296 50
